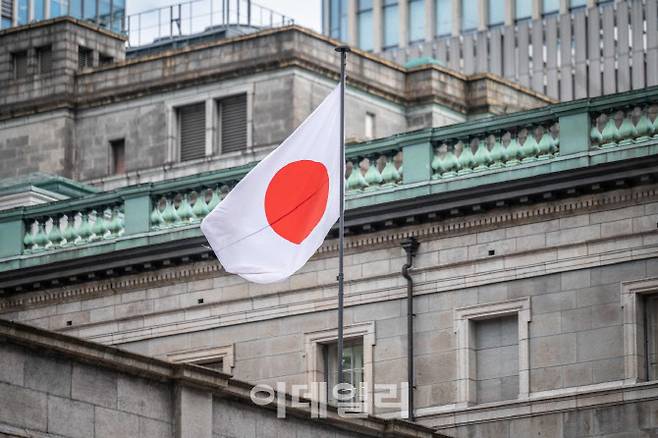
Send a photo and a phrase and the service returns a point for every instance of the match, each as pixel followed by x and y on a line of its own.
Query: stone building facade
pixel 534 282
pixel 68 120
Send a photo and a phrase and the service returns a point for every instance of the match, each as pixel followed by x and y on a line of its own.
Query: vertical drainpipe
pixel 410 246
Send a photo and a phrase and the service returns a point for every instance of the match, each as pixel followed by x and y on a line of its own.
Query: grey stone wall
pixel 632 420
pixel 54 395
pixel 56 386
pixel 38 144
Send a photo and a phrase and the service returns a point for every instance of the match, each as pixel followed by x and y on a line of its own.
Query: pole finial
pixel 343 49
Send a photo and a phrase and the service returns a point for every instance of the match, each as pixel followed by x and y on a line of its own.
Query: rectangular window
pixel 118 13
pixel 217 365
pixel 650 328
pixel 22 11
pixel 416 20
pixel 338 19
pixel 104 12
pixel 192 131
pixel 550 7
pixel 391 23
pixel 89 10
pixel 364 22
pixel 85 57
pixel 496 13
pixel 497 359
pixel 215 358
pixel 352 368
pixel 443 12
pixel 118 159
pixel 233 123
pixel 45 58
pixel 6 13
pixel 470 14
pixel 19 61
pixel 573 4
pixel 76 8
pixel 105 59
pixel 39 9
pixel 523 9
pixel 370 125
pixel 58 8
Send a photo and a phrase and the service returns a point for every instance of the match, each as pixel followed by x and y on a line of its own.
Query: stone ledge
pixel 191 376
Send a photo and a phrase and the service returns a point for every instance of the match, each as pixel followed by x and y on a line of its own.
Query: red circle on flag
pixel 296 199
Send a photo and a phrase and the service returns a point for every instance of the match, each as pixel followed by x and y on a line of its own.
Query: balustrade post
pixel 12 233
pixel 574 133
pixel 137 213
pixel 416 162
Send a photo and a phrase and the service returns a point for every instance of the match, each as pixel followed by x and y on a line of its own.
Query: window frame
pixel 466 371
pixel 15 56
pixel 217 115
pixel 112 162
pixel 210 96
pixel 179 130
pixel 40 64
pixel 633 294
pixel 199 356
pixel 314 344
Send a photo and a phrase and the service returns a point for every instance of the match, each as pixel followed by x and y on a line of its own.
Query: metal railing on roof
pixel 199 16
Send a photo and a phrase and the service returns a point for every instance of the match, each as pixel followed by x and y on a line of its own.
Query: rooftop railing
pixel 198 16
pixel 495 150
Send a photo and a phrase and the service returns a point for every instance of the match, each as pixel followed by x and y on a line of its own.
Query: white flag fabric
pixel 278 215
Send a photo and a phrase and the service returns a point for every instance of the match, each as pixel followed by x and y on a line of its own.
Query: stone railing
pixel 623 126
pixel 505 148
pixel 74 228
pixel 481 152
pixel 374 171
pixel 185 207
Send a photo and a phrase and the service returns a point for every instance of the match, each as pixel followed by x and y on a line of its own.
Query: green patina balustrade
pixel 378 170
pixel 505 148
pixel 47 233
pixel 624 126
pixel 555 138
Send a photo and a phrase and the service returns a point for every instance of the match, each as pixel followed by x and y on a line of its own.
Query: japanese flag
pixel 278 215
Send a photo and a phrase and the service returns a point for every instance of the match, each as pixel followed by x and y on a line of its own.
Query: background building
pixel 109 14
pixel 566 49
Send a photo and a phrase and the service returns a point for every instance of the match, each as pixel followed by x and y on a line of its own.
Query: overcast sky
pixel 306 13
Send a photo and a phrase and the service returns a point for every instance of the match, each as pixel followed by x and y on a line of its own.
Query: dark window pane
pixel 84 57
pixel 20 64
pixel 118 151
pixel 44 55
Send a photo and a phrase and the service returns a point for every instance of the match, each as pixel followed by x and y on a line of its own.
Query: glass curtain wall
pixel 443 17
pixel 416 20
pixel 364 24
pixel 391 23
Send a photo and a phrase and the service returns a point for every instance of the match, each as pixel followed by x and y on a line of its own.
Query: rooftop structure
pixel 91 115
pixel 565 49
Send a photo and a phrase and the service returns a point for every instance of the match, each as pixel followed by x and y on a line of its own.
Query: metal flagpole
pixel 343 50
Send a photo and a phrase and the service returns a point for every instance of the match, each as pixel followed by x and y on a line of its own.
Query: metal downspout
pixel 410 246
